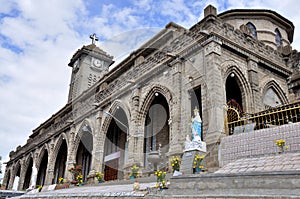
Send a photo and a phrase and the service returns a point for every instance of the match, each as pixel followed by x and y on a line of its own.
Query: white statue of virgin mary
pixel 196 126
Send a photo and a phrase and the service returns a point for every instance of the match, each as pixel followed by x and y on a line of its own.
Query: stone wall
pixel 259 143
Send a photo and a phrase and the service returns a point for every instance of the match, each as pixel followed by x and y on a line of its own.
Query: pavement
pixel 285 163
pixel 94 191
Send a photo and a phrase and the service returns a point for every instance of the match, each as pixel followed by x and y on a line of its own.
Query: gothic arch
pixel 58 142
pixel 114 133
pixel 112 110
pixel 17 167
pixel 27 161
pixel 231 68
pixel 41 153
pixel 272 84
pixel 26 171
pixel 146 101
pixel 252 27
pixel 85 124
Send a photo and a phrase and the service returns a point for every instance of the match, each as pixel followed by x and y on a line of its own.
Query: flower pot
pixel 62 186
pixel 74 182
pixel 100 181
pixel 131 177
pixel 197 170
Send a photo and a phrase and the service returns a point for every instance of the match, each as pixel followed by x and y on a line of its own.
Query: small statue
pixel 136 186
pixel 196 126
pixel 188 142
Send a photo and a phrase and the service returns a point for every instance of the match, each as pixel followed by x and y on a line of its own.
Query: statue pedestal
pixel 189 154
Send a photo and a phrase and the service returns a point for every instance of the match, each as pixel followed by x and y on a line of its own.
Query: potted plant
pixel 175 163
pixel 134 172
pixel 281 144
pixel 39 187
pixel 75 170
pixel 79 179
pixel 99 176
pixel 161 179
pixel 197 166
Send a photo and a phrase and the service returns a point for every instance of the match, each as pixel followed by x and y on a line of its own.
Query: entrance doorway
pixel 115 145
pixel 110 170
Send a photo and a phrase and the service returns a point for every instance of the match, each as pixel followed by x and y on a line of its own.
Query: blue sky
pixel 38 38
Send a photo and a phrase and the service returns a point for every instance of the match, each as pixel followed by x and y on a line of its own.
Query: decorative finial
pixel 94 38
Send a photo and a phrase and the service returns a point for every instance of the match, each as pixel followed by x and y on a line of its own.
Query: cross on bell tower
pixel 94 38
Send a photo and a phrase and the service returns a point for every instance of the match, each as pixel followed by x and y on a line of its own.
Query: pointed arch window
pixel 278 37
pixel 253 29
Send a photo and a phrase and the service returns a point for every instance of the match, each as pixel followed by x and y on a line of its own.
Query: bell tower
pixel 89 64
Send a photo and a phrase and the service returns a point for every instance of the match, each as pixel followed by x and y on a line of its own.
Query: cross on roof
pixel 94 38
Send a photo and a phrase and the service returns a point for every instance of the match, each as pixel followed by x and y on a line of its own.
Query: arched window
pixel 252 28
pixel 278 37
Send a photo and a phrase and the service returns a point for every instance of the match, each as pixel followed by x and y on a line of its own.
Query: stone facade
pixel 113 119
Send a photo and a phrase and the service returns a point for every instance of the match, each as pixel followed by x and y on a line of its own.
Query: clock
pixel 97 63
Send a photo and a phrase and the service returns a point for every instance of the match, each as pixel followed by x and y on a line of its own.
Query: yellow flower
pixel 195 162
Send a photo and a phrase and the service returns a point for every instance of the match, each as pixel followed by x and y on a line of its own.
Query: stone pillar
pixel 136 138
pixel 97 153
pixel 50 166
pixel 6 179
pixel 71 156
pixel 11 179
pixel 213 103
pixel 256 104
pixel 22 175
pixel 176 111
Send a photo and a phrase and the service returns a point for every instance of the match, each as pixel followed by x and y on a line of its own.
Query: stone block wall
pixel 259 143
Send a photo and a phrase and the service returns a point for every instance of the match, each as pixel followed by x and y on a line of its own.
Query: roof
pixel 289 26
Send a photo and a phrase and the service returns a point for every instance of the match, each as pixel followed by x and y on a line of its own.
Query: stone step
pixel 235 185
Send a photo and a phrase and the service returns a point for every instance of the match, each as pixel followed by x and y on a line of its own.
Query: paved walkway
pixel 282 162
pixel 98 190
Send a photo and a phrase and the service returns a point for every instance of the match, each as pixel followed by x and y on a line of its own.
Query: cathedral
pixel 228 65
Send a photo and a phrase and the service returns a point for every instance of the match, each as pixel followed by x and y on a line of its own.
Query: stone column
pixel 136 138
pixel 97 153
pixel 213 103
pixel 22 175
pixel 176 111
pixel 255 104
pixel 71 157
pixel 6 179
pixel 50 166
pixel 11 179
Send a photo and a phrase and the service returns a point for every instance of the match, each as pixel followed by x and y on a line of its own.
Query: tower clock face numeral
pixel 97 63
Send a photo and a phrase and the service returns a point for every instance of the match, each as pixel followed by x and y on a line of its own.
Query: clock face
pixel 98 63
